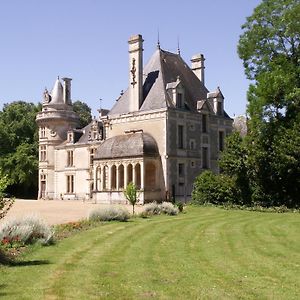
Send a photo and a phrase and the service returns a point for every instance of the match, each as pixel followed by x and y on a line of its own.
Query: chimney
pixel 198 66
pixel 135 72
pixel 67 90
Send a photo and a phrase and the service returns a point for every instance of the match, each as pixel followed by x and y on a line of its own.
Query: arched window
pixel 113 183
pixel 121 176
pixel 137 178
pixel 129 173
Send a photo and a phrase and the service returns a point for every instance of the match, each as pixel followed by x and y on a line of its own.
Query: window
pixel 180 136
pixel 70 156
pixel 193 164
pixel 43 153
pixel 219 108
pixel 204 158
pixel 192 144
pixel 179 103
pixel 204 123
pixel 92 154
pixel 181 170
pixel 221 140
pixel 43 132
pixel 70 183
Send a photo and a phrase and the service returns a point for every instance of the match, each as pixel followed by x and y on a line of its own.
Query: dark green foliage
pixel 213 188
pixel 19 147
pixel 84 113
pixel 269 48
pixel 233 162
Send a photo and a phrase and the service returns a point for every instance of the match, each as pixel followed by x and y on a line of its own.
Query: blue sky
pixel 87 41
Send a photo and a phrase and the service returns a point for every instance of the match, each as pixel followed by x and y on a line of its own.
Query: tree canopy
pixel 84 113
pixel 19 146
pixel 265 163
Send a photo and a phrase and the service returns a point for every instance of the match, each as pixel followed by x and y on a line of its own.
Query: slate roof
pixel 163 68
pixel 127 145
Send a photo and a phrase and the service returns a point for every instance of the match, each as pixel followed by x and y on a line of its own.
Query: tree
pixel 131 194
pixel 234 163
pixel 269 48
pixel 5 203
pixel 84 113
pixel 214 189
pixel 19 147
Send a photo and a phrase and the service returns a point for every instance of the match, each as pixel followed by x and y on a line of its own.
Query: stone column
pixel 133 173
pixel 102 178
pixel 142 174
pixel 117 177
pixel 95 178
pixel 125 175
pixel 109 178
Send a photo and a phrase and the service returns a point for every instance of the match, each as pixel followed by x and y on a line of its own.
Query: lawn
pixel 206 253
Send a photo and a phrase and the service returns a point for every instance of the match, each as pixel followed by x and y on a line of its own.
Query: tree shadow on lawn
pixel 25 263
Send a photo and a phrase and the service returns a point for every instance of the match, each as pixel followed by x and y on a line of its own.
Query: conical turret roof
pixel 57 93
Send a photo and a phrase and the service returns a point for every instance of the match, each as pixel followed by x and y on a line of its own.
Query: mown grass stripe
pixel 207 253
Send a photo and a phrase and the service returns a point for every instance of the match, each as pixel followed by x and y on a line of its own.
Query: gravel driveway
pixel 56 211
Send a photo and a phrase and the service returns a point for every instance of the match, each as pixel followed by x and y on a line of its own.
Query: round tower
pixel 54 121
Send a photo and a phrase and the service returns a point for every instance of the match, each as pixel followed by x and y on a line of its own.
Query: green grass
pixel 207 253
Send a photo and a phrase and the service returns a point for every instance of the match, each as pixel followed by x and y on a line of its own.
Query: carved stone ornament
pixel 133 70
pixel 53 133
pixel 47 97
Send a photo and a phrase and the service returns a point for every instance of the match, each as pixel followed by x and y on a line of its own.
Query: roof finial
pixel 100 100
pixel 58 77
pixel 158 43
pixel 178 47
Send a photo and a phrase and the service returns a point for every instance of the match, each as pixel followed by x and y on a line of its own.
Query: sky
pixel 87 41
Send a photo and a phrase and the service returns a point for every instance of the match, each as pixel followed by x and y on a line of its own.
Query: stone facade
pixel 160 134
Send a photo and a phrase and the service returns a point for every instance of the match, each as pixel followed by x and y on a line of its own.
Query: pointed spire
pixel 158 42
pixel 178 47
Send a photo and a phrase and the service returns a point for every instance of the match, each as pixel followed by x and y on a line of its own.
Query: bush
pixel 169 209
pixel 215 189
pixel 27 230
pixel 151 209
pixel 156 209
pixel 111 213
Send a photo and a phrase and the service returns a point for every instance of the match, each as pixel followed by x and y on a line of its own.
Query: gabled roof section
pixel 204 105
pixel 162 69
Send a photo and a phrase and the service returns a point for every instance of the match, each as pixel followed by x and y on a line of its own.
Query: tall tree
pixel 84 113
pixel 270 50
pixel 19 147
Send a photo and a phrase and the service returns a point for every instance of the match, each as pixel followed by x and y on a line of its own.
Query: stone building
pixel 164 130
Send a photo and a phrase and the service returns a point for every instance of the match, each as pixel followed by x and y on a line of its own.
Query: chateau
pixel 163 131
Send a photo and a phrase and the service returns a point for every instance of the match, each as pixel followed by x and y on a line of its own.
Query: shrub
pixel 151 209
pixel 156 209
pixel 180 206
pixel 169 209
pixel 215 189
pixel 27 230
pixel 110 213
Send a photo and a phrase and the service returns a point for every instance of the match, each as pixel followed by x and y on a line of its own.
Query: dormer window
pixel 179 102
pixel 71 137
pixel 219 108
